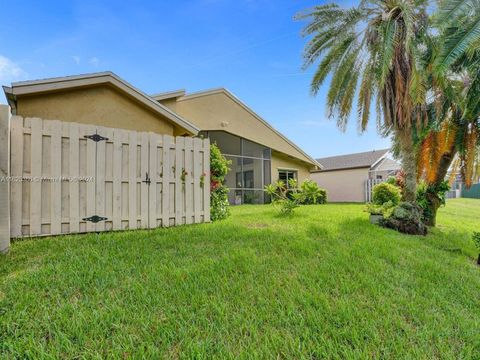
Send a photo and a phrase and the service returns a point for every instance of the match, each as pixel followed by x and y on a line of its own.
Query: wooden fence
pixel 369 184
pixel 70 178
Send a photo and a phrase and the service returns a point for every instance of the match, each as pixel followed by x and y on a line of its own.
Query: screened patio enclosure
pixel 250 169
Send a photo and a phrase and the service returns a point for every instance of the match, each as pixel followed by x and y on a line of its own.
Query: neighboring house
pixel 259 153
pixel 345 176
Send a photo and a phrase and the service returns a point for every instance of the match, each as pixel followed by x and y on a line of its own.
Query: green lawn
pixel 321 284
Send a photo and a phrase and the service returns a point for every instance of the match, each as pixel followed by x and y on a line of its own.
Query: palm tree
pixel 459 20
pixel 373 52
pixel 452 139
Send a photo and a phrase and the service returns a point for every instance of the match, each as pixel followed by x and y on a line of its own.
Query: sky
pixel 251 47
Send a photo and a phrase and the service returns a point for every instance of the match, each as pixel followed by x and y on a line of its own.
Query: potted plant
pixel 376 213
pixel 380 212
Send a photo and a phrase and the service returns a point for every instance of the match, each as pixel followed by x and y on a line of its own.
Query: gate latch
pixel 147 179
pixel 95 219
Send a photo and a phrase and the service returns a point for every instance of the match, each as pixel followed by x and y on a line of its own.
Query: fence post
pixel 4 182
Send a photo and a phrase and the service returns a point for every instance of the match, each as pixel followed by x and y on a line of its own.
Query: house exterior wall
pixel 282 162
pixel 100 105
pixel 218 111
pixel 343 185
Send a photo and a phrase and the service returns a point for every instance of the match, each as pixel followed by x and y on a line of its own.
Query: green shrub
pixel 386 192
pixel 219 167
pixel 392 180
pixel 476 241
pixel 427 192
pixel 310 193
pixel 386 209
pixel 286 200
pixel 291 197
pixel 406 218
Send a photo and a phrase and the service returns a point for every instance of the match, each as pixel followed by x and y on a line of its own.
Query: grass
pixel 321 284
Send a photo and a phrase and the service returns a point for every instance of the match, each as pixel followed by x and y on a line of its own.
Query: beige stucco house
pixel 345 176
pixel 259 153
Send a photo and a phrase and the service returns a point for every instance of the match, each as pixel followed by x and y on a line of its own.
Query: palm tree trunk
pixel 409 163
pixel 433 200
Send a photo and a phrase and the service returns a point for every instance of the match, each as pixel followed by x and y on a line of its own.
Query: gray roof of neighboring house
pixel 352 161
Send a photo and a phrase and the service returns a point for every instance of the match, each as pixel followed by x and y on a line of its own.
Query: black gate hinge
pixel 96 137
pixel 95 219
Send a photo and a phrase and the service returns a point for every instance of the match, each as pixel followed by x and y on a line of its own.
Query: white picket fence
pixel 70 178
pixel 369 184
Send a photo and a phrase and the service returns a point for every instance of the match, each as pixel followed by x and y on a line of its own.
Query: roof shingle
pixel 351 161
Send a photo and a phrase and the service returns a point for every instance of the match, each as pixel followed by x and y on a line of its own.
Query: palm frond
pixel 458 43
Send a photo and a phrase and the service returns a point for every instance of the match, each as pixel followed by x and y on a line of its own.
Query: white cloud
pixel 76 59
pixel 94 61
pixel 10 71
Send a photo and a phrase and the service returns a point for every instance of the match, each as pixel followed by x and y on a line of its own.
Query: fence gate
pixel 70 178
pixel 369 184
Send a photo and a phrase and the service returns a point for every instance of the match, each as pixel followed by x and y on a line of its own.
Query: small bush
pixel 392 180
pixel 386 192
pixel 386 209
pixel 476 241
pixel 310 193
pixel 286 200
pixel 219 167
pixel 406 218
pixel 426 192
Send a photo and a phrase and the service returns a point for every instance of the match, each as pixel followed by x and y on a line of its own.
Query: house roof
pixel 183 97
pixel 365 159
pixel 107 77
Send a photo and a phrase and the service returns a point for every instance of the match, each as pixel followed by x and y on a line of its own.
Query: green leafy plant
pixel 476 241
pixel 427 194
pixel 310 193
pixel 386 192
pixel 406 217
pixel 285 198
pixel 392 180
pixel 288 198
pixel 385 209
pixel 219 167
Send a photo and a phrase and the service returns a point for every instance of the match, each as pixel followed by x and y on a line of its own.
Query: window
pixel 249 170
pixel 285 175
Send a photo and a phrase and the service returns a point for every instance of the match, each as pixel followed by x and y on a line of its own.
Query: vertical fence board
pixel 132 180
pixel 117 180
pixel 5 183
pixel 143 185
pixel 197 186
pixel 73 162
pixel 55 130
pixel 188 180
pixel 206 169
pixel 16 171
pixel 36 174
pixel 179 145
pixel 167 140
pixel 152 172
pixel 90 172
